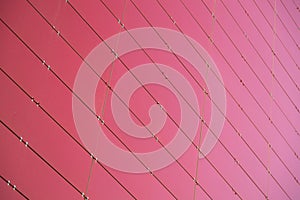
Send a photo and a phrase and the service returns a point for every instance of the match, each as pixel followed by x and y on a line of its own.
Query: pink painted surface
pixel 249 178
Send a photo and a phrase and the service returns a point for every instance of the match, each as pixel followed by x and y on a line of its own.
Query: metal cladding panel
pixel 149 99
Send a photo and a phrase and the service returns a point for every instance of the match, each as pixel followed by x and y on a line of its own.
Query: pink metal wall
pixel 254 46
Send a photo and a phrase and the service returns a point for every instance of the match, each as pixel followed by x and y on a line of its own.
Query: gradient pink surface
pixel 249 178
